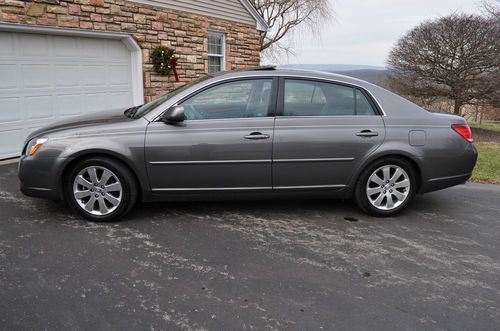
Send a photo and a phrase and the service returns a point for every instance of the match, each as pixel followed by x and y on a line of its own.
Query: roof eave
pixel 261 23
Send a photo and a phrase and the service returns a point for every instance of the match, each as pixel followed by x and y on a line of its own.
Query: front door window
pixel 236 99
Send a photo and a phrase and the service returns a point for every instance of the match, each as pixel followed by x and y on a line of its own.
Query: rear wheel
pixel 100 189
pixel 386 187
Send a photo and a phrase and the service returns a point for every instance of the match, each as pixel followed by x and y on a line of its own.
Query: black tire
pixel 361 195
pixel 129 188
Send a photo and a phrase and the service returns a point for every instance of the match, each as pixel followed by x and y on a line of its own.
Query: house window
pixel 216 52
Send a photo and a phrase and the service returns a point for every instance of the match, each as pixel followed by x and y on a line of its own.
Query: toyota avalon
pixel 259 133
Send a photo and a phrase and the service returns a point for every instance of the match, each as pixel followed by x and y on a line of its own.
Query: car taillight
pixel 464 131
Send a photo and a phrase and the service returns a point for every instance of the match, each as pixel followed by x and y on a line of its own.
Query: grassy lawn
pixel 488 163
pixel 486 126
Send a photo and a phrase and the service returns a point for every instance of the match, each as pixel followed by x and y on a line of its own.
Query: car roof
pixel 388 102
pixel 271 70
pixel 391 104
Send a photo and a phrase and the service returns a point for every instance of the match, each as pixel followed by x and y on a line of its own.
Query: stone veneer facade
pixel 151 27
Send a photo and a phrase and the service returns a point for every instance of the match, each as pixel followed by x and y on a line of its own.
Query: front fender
pixel 129 150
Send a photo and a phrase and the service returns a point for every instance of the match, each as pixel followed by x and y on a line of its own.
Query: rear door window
pixel 314 98
pixel 363 105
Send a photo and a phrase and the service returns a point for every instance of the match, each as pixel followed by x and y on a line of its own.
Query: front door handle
pixel 367 133
pixel 257 136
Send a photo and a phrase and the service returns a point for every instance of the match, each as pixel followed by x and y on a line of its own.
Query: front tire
pixel 386 187
pixel 100 189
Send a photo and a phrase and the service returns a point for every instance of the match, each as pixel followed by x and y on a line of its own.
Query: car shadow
pixel 341 209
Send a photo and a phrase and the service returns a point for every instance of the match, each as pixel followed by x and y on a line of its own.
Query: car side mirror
pixel 173 114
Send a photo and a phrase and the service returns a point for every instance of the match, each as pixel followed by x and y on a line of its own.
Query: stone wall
pixel 151 27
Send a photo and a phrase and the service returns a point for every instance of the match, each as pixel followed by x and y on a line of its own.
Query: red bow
pixel 173 64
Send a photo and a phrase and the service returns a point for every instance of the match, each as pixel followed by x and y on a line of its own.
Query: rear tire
pixel 100 189
pixel 386 187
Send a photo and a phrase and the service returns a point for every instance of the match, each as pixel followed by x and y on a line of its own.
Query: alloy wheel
pixel 388 187
pixel 97 190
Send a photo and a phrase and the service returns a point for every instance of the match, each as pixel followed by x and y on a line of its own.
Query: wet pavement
pixel 252 265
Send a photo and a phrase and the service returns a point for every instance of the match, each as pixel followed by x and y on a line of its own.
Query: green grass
pixel 488 163
pixel 486 126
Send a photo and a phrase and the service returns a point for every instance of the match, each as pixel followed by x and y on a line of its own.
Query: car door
pixel 323 131
pixel 224 144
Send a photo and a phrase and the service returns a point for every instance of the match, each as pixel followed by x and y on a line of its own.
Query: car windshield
pixel 139 111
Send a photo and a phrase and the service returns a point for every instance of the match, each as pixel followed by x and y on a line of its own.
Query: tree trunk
pixel 456 109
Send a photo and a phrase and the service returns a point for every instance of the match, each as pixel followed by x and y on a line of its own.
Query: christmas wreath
pixel 162 60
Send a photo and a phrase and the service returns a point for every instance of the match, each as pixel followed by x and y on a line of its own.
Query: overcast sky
pixel 363 31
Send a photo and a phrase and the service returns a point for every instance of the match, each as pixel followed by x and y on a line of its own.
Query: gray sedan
pixel 259 133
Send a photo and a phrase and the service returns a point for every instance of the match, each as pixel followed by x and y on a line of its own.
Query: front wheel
pixel 386 187
pixel 100 189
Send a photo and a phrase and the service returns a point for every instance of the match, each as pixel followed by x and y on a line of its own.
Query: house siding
pixel 231 10
pixel 151 27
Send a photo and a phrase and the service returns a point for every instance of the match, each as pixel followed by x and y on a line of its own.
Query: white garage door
pixel 45 78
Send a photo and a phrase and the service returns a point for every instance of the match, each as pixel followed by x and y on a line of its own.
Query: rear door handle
pixel 367 133
pixel 257 136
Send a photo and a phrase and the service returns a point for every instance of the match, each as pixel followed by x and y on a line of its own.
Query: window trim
pixel 280 104
pixel 272 97
pixel 221 56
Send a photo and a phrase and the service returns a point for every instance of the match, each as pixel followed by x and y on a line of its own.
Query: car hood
pixel 95 118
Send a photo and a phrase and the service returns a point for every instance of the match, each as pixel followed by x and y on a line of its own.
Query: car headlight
pixel 34 145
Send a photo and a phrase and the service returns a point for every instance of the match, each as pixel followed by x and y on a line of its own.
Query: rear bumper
pixel 435 184
pixel 459 168
pixel 40 177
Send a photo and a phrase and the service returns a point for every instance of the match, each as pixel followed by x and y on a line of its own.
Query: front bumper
pixel 40 176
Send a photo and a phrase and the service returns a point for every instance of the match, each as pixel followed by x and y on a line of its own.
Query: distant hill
pixel 377 77
pixel 372 74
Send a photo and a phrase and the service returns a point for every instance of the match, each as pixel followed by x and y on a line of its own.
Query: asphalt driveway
pixel 252 265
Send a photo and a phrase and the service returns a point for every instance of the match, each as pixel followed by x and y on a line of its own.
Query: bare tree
pixel 454 57
pixel 492 95
pixel 492 9
pixel 285 16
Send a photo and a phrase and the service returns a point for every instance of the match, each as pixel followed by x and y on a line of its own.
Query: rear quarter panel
pixel 444 158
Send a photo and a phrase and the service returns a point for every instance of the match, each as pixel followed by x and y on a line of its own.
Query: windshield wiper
pixel 130 112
